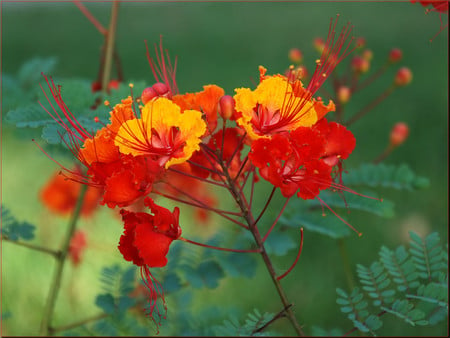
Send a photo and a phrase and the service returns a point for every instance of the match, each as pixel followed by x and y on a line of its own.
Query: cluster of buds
pixel 173 144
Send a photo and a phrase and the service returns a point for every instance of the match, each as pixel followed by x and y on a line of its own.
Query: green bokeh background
pixel 224 43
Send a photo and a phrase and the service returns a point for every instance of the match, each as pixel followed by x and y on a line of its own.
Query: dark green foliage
pixel 23 89
pixel 411 286
pixel 297 216
pixel 251 327
pixel 117 284
pixel 15 230
pixel 382 175
pixel 351 201
pixel 314 215
pixel 320 332
pixel 27 102
pixel 280 242
pixel 427 255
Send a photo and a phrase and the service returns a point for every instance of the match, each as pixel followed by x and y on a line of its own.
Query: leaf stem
pixel 79 323
pixel 32 246
pixel 61 259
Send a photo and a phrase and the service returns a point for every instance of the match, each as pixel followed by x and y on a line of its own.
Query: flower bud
pixel 295 55
pixel 96 86
pixel 395 55
pixel 343 94
pixel 367 54
pixel 113 84
pixel 226 107
pixel 360 65
pixel 360 42
pixel 161 89
pixel 399 134
pixel 148 94
pixel 403 76
pixel 319 44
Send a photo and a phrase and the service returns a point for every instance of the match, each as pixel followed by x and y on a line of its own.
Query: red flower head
pixel 303 159
pixel 146 241
pixel 290 163
pixel 281 103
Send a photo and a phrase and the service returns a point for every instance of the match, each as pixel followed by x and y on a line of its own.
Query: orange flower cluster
pixel 174 145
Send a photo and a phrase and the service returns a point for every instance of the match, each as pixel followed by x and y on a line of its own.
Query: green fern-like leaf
pixel 13 229
pixel 117 284
pixel 381 175
pixel 406 311
pixel 421 279
pixel 400 267
pixel 356 309
pixel 254 322
pixel 375 282
pixel 427 255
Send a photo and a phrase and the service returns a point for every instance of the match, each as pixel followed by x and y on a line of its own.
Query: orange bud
pixel 295 55
pixel 399 134
pixel 360 64
pixel 395 55
pixel 148 94
pixel 403 76
pixel 343 94
pixel 367 54
pixel 161 88
pixel 96 86
pixel 113 84
pixel 360 42
pixel 319 44
pixel 226 107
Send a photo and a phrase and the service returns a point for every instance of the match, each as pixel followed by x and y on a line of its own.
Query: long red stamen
pixel 163 72
pixel 218 248
pixel 343 220
pixel 156 291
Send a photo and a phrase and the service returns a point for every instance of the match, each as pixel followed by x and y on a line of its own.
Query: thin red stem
pixel 296 259
pixel 90 17
pixel 197 177
pixel 201 207
pixel 217 248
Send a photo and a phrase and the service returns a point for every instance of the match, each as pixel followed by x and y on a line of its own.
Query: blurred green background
pixel 224 43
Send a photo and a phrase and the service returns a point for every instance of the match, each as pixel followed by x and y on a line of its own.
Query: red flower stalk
pixel 145 242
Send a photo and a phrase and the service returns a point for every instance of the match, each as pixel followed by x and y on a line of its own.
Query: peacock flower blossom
pixel 207 101
pixel 302 161
pixel 145 242
pixel 281 103
pixel 122 177
pixel 286 163
pixel 162 132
